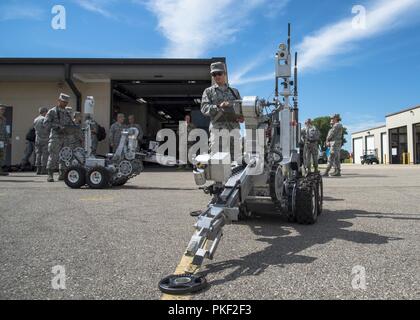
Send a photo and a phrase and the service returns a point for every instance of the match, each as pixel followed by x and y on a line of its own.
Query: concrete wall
pixel 27 97
pixel 408 118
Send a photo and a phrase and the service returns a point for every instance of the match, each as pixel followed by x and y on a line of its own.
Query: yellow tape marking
pixel 184 266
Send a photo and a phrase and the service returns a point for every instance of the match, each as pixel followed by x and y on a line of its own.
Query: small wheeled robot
pixel 115 169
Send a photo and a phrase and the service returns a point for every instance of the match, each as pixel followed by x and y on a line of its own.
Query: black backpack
pixel 101 134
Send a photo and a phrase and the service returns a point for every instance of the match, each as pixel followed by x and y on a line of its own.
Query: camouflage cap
pixel 217 67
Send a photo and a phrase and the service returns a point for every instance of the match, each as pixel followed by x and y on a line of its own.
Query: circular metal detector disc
pixel 182 284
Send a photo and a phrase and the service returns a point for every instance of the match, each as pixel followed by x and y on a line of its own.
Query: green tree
pixel 323 125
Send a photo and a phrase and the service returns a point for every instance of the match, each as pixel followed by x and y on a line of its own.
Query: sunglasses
pixel 215 74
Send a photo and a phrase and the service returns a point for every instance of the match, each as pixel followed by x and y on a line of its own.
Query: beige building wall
pixel 408 118
pixel 27 97
pixel 377 134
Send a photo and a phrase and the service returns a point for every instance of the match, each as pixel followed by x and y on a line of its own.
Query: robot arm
pixel 230 189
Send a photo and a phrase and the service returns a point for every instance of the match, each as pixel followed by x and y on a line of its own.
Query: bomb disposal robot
pixel 115 169
pixel 273 175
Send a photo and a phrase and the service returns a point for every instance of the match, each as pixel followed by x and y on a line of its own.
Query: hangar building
pixel 159 92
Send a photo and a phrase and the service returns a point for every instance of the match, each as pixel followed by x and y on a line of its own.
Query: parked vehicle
pixel 369 159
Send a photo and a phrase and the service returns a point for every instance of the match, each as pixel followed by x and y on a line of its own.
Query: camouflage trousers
pixel 219 143
pixel 310 156
pixel 41 153
pixel 55 144
pixel 334 158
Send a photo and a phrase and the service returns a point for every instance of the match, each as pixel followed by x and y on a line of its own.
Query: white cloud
pixel 96 6
pixel 192 27
pixel 317 50
pixel 274 8
pixel 237 76
pixel 241 80
pixel 21 11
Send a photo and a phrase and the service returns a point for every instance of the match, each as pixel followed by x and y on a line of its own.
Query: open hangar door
pixel 357 150
pixel 159 104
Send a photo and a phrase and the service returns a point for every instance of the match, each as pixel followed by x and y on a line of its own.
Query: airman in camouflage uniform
pixel 41 142
pixel 115 132
pixel 4 140
pixel 218 104
pixel 57 118
pixel 334 142
pixel 310 137
pixel 75 138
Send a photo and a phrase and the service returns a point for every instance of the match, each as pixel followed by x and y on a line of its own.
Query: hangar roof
pixel 369 129
pixel 104 69
pixel 402 111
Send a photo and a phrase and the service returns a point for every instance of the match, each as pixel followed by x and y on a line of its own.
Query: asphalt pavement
pixel 118 243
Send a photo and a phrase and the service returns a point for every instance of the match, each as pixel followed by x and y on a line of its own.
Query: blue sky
pixel 362 74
